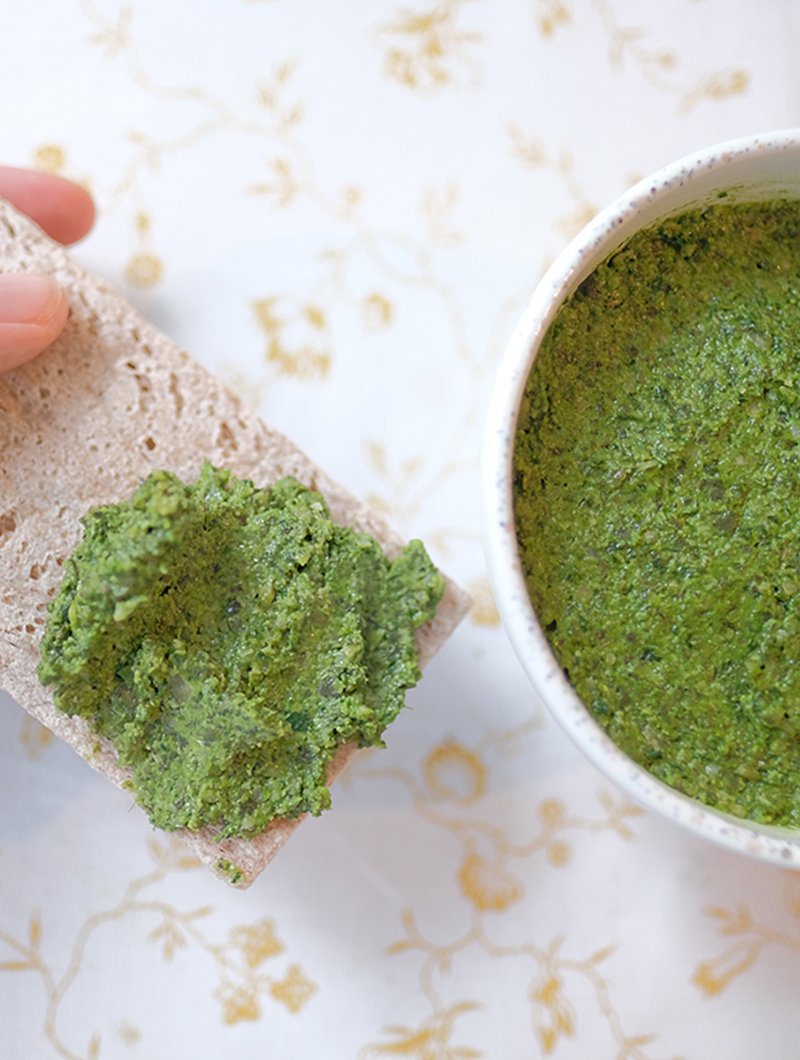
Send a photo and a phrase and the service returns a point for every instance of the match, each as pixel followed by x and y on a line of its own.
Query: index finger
pixel 61 207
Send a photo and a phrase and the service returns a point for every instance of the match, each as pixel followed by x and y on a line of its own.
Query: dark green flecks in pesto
pixel 228 639
pixel 658 502
pixel 231 871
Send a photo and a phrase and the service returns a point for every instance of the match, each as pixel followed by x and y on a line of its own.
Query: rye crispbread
pixel 81 426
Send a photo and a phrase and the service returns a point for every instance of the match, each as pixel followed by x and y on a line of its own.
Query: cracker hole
pixel 226 438
pixel 8 524
pixel 174 389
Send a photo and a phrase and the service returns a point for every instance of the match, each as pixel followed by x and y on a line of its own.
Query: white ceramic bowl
pixel 754 167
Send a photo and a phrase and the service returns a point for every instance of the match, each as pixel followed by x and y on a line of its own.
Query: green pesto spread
pixel 657 492
pixel 228 639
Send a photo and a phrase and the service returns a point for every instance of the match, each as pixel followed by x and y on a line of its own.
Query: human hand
pixel 33 308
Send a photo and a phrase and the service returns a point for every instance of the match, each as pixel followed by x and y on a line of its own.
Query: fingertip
pixel 79 217
pixel 33 311
pixel 64 209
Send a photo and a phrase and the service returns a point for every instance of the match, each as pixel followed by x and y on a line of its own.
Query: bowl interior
pixel 746 170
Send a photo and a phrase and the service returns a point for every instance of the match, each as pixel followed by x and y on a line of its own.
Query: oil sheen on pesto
pixel 658 502
pixel 228 639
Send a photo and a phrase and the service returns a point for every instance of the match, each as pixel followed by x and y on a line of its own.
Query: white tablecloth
pixel 340 208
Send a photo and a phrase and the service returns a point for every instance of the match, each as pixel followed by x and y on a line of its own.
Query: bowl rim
pixel 731 167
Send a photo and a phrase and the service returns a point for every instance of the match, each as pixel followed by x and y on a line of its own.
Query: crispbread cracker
pixel 81 426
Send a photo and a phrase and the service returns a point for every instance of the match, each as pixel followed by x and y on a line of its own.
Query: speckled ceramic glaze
pixel 756 167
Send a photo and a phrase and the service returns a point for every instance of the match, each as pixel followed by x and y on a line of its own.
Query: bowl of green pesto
pixel 641 488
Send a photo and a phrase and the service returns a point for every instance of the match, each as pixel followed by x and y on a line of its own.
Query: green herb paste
pixel 228 639
pixel 658 502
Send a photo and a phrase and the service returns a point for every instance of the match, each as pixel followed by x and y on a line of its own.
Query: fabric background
pixel 341 208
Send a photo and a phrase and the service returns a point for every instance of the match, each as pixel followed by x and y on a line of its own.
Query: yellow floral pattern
pixel 751 939
pixel 343 210
pixel 237 961
pixel 454 779
pixel 427 49
pixel 308 356
pixel 661 67
pixel 34 736
pixel 429 1041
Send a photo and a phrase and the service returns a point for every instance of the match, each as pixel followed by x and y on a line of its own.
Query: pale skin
pixel 33 308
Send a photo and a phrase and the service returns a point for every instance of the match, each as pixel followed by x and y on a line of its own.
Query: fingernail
pixel 28 298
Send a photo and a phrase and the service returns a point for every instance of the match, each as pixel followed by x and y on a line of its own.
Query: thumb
pixel 33 310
